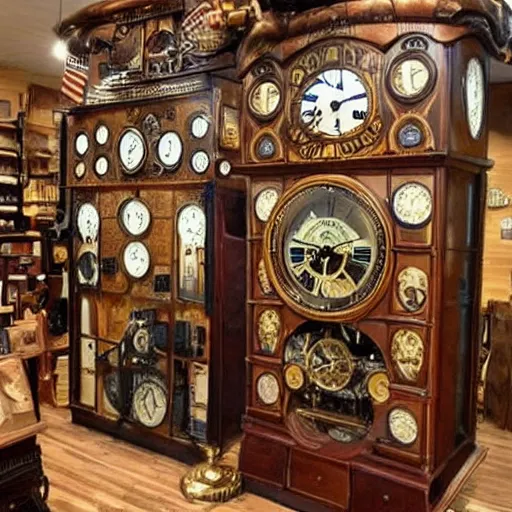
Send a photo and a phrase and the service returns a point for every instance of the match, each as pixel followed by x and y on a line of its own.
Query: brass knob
pixel 385 498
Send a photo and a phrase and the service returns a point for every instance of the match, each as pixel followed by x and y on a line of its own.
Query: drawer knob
pixel 385 498
pixel 319 478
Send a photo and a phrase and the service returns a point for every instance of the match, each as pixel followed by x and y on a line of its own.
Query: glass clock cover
pixel 200 162
pixel 102 134
pixel 136 259
pixel 135 217
pixel 81 144
pixel 410 78
pixel 335 104
pixel 170 149
pixel 132 150
pixel 192 225
pixel 200 126
pixel 264 99
pixel 88 222
pixel 412 205
pixel 475 97
pixel 265 203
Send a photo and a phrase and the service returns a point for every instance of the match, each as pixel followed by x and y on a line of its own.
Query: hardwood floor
pixel 93 472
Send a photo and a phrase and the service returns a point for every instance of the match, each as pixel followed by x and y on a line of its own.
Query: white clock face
pixel 135 217
pixel 101 166
pixel 170 149
pixel 403 426
pixel 200 162
pixel 132 150
pixel 150 404
pixel 192 225
pixel 80 170
pixel 200 126
pixel 101 135
pixel 136 259
pixel 225 168
pixel 88 222
pixel 265 99
pixel 335 104
pixel 81 144
pixel 268 389
pixel 265 203
pixel 412 205
pixel 410 78
pixel 475 97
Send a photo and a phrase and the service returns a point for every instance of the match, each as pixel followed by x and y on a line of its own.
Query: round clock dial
pixel 88 222
pixel 412 205
pixel 135 217
pixel 403 426
pixel 192 225
pixel 150 403
pixel 141 341
pixel 101 166
pixel 328 247
pixel 264 99
pixel 80 170
pixel 336 103
pixel 200 162
pixel 132 150
pixel 136 259
pixel 294 377
pixel 101 135
pixel 475 97
pixel 170 149
pixel 268 389
pixel 410 78
pixel 81 144
pixel 265 203
pixel 225 168
pixel 200 126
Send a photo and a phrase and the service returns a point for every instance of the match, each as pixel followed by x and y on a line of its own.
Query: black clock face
pixel 328 248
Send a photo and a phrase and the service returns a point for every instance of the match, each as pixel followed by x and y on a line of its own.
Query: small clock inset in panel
pixel 412 77
pixel 170 150
pixel 200 162
pixel 266 147
pixel 102 134
pixel 88 222
pixel 412 205
pixel 294 377
pixel 225 168
pixel 81 144
pixel 475 97
pixel 101 166
pixel 136 260
pixel 410 136
pixel 268 389
pixel 403 426
pixel 132 151
pixel 135 217
pixel 199 126
pixel 265 99
pixel 80 170
pixel 265 202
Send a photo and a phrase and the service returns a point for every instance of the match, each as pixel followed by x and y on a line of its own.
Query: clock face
pixel 265 203
pixel 79 170
pixel 200 162
pixel 141 341
pixel 335 104
pixel 412 205
pixel 200 126
pixel 132 150
pixel 150 403
pixel 170 149
pixel 135 217
pixel 475 97
pixel 101 166
pixel 88 222
pixel 192 225
pixel 403 426
pixel 265 99
pixel 225 168
pixel 328 247
pixel 136 259
pixel 81 144
pixel 268 389
pixel 410 78
pixel 101 135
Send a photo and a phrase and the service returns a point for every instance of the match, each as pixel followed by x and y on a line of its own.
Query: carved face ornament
pixel 407 353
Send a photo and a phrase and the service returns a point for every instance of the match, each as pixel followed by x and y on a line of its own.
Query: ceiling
pixel 27 39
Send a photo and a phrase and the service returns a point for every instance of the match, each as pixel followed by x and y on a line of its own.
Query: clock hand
pixel 359 96
pixel 346 243
pixel 296 240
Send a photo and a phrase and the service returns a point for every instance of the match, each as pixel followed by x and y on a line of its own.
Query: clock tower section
pixel 364 140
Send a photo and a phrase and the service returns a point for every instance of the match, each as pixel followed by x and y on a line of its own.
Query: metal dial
pixel 81 144
pixel 132 150
pixel 200 162
pixel 102 134
pixel 192 225
pixel 412 205
pixel 264 99
pixel 199 127
pixel 475 97
pixel 136 259
pixel 403 426
pixel 135 217
pixel 88 222
pixel 410 78
pixel 268 389
pixel 265 203
pixel 170 149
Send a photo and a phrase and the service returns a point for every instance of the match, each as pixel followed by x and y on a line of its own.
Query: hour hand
pixel 302 242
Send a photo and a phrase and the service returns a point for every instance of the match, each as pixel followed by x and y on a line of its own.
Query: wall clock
pixel 81 144
pixel 101 166
pixel 411 78
pixel 327 247
pixel 403 426
pixel 475 97
pixel 170 150
pixel 132 150
pixel 335 104
pixel 268 389
pixel 136 259
pixel 265 202
pixel 199 126
pixel 265 99
pixel 192 225
pixel 412 205
pixel 79 170
pixel 88 222
pixel 101 135
pixel 149 402
pixel 200 162
pixel 135 217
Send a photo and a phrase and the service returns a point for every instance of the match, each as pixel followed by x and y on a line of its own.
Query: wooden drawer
pixel 376 494
pixel 319 478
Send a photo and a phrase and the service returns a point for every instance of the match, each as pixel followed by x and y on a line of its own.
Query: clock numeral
pixel 359 114
pixel 362 254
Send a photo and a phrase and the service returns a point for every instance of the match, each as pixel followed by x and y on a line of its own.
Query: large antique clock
pixel 364 142
pixel 159 226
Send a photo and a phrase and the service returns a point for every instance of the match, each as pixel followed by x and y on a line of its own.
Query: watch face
pixel 265 203
pixel 79 170
pixel 192 226
pixel 410 78
pixel 132 150
pixel 136 259
pixel 265 99
pixel 412 205
pixel 170 149
pixel 101 166
pixel 141 341
pixel 336 104
pixel 200 162
pixel 225 168
pixel 81 144
pixel 475 97
pixel 268 389
pixel 403 426
pixel 200 126
pixel 150 403
pixel 102 135
pixel 88 222
pixel 328 247
pixel 135 217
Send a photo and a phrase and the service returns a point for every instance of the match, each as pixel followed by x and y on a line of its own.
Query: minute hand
pixel 359 96
pixel 346 243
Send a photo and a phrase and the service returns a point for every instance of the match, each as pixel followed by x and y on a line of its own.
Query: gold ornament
pixel 403 426
pixel 60 254
pixel 294 377
pixel 412 288
pixel 269 327
pixel 263 279
pixel 407 352
pixel 378 387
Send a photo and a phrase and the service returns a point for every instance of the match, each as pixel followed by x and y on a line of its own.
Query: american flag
pixel 74 79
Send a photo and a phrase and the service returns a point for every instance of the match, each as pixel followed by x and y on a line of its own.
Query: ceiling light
pixel 60 50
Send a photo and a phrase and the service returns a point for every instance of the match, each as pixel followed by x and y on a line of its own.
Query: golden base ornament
pixel 209 481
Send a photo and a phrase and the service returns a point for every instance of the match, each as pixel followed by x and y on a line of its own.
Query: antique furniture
pixel 157 295
pixel 364 140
